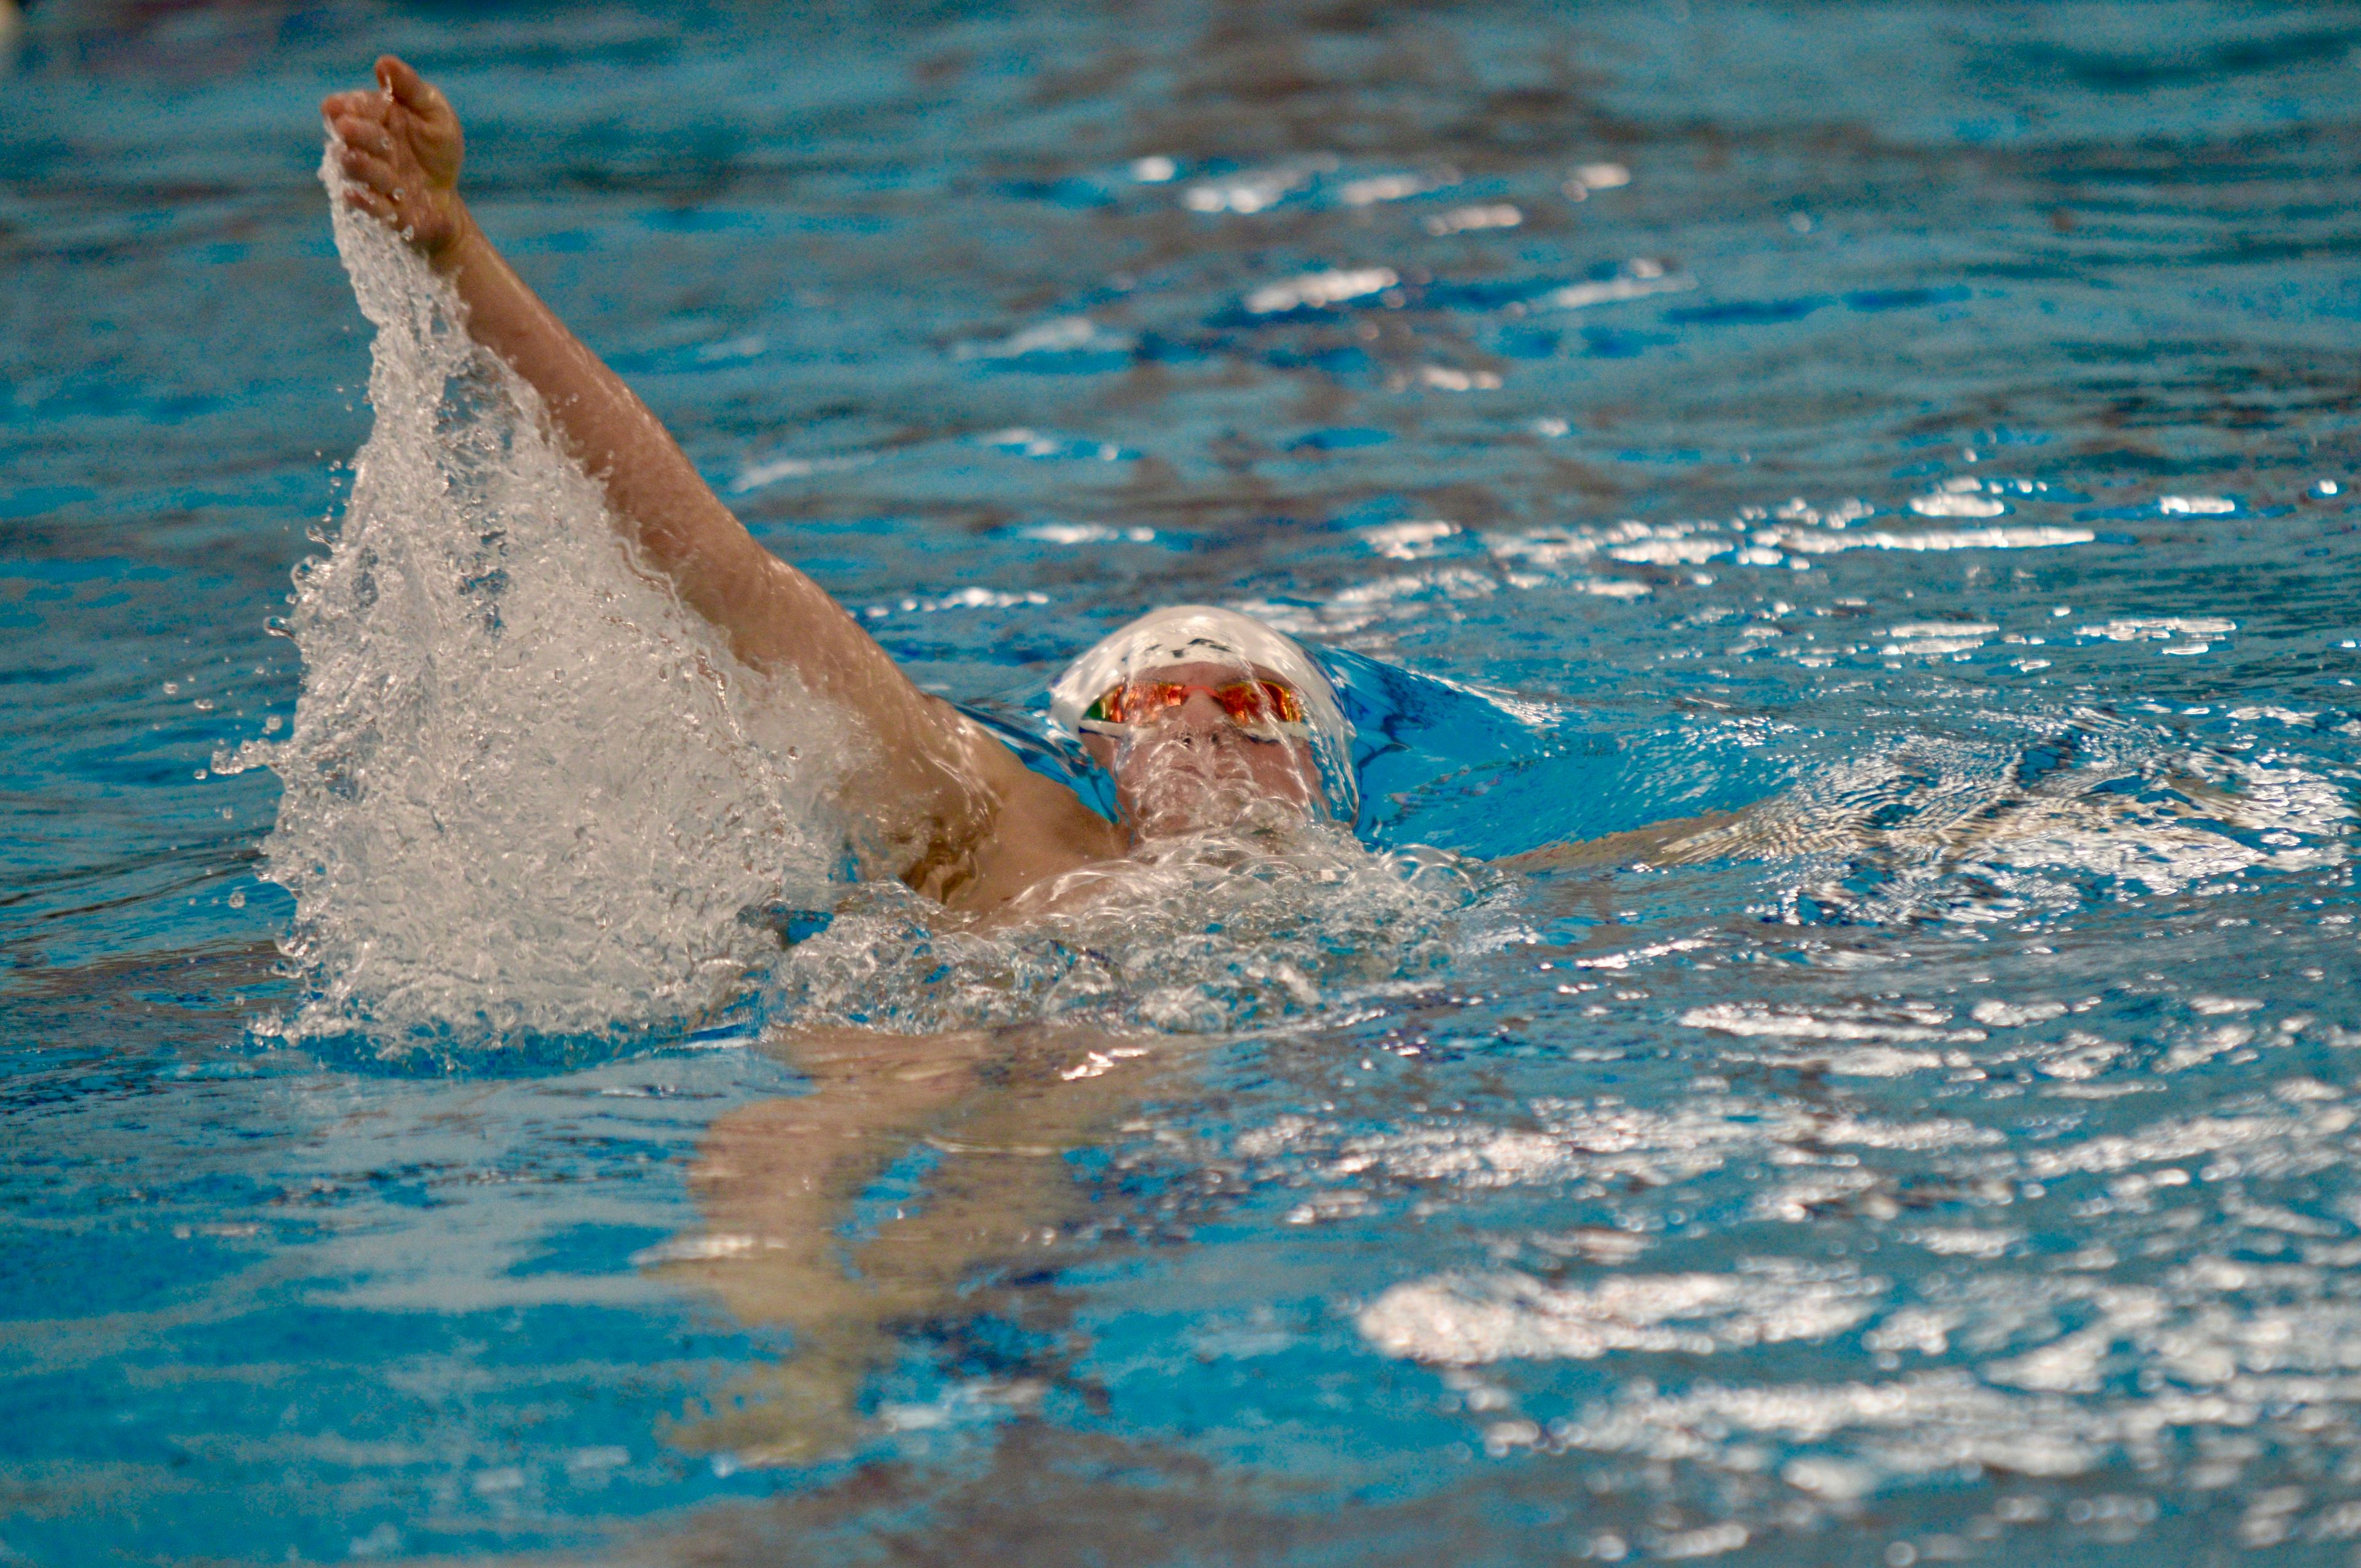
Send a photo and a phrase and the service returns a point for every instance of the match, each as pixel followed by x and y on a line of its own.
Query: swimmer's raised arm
pixel 401 147
pixel 948 781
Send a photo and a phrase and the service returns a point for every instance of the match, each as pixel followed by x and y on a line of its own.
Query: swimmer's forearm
pixel 1690 841
pixel 401 149
pixel 772 613
pixel 649 482
pixel 773 616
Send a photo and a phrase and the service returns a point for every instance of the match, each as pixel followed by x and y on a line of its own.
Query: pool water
pixel 1924 429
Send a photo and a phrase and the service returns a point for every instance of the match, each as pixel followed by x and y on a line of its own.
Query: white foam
pixel 1810 542
pixel 1204 934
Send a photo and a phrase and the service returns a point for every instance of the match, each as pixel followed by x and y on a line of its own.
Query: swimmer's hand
pixel 400 148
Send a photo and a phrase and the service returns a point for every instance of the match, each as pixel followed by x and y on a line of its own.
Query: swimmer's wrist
pixel 464 241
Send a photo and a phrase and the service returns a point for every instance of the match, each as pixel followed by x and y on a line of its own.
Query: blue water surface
pixel 1935 419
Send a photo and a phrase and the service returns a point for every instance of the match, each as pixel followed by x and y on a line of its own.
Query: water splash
pixel 2094 808
pixel 1204 934
pixel 524 790
pixel 527 794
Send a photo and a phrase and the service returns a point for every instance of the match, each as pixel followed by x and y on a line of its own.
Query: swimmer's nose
pixel 1199 714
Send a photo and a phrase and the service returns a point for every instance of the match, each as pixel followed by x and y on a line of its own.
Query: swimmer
pixel 1205 720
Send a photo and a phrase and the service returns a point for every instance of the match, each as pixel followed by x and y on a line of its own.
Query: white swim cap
pixel 1196 633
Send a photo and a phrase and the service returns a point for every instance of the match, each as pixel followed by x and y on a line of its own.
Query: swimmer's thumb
pixel 406 87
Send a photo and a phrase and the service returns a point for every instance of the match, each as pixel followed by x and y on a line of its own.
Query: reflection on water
pixel 1904 450
pixel 990 1121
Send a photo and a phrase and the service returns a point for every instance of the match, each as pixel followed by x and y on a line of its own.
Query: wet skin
pixel 947 806
pixel 1170 773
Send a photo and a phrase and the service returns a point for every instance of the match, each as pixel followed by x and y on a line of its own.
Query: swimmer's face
pixel 1190 766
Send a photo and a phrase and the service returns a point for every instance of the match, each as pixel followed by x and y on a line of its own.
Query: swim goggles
pixel 1264 708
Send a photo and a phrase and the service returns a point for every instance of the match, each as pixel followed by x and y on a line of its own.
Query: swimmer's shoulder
pixel 1034 831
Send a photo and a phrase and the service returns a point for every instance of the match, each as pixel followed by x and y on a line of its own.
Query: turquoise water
pixel 1929 423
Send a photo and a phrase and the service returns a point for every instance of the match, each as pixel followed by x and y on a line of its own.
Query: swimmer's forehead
pixel 1206 671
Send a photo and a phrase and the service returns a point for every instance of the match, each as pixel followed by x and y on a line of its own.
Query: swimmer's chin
pixel 1233 832
pixel 1184 791
pixel 1196 809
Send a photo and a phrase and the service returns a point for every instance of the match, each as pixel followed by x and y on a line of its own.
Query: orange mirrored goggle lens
pixel 1249 704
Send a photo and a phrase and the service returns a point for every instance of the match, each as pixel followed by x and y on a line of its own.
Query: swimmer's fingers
pixel 400 147
pixel 337 105
pixel 368 136
pixel 409 89
pixel 425 118
pixel 370 169
pixel 376 204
